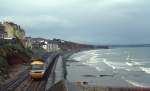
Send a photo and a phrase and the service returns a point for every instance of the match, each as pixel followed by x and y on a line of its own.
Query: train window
pixel 37 67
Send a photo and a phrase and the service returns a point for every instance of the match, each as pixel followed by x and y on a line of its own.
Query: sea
pixel 115 67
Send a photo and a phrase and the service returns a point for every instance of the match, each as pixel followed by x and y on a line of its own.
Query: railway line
pixel 25 83
pixel 16 82
pixel 32 85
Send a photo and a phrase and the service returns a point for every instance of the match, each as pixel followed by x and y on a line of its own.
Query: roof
pixel 37 62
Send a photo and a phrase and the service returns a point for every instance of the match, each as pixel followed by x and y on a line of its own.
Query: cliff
pixel 13 30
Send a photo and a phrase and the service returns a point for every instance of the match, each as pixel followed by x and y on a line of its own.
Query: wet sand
pixel 65 85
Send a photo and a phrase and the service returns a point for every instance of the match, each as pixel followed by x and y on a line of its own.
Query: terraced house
pixel 3 34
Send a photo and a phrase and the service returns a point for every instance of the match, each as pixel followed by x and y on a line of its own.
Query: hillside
pixel 12 52
pixel 71 46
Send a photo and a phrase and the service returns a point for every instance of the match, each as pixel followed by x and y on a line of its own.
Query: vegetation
pixel 38 52
pixel 10 48
pixel 3 68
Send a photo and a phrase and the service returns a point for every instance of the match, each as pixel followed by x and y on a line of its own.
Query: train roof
pixel 37 62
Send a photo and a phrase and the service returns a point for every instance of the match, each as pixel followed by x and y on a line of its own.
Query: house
pixel 3 34
pixel 52 46
pixel 27 42
pixel 49 45
pixel 44 44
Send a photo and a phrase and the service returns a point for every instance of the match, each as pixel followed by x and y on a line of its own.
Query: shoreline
pixel 96 71
pixel 65 85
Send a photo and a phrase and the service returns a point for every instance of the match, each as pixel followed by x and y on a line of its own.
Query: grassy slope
pixel 9 50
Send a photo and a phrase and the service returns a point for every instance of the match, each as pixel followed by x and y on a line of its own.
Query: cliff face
pixel 19 58
pixel 14 52
pixel 13 30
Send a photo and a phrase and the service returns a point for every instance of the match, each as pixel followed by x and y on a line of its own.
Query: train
pixel 38 67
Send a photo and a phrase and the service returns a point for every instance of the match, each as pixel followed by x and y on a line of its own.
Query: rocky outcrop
pixel 13 30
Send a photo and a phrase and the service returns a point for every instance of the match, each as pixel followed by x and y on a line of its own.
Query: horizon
pixel 95 22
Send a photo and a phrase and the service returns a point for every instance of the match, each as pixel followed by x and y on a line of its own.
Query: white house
pixel 50 46
pixel 44 44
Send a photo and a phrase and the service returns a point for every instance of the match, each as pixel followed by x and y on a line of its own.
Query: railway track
pixel 32 85
pixel 24 83
pixel 37 84
pixel 11 86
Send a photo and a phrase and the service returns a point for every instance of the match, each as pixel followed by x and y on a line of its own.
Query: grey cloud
pixel 90 21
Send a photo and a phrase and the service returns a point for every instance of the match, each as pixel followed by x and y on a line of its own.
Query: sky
pixel 85 21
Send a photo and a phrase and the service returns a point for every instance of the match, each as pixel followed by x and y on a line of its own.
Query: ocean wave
pixel 130 59
pixel 111 53
pixel 135 68
pixel 78 58
pixel 93 62
pixel 146 70
pixel 138 84
pixel 116 65
pixel 133 63
pixel 138 59
pixel 129 63
pixel 135 81
pixel 98 69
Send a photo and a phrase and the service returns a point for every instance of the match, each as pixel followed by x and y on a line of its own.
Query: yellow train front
pixel 37 69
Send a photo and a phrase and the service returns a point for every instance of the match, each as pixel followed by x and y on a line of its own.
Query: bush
pixel 9 49
pixel 3 66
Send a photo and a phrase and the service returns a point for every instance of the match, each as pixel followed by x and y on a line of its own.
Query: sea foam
pixel 137 84
pixel 146 70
